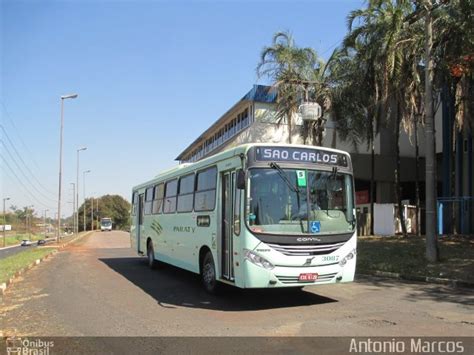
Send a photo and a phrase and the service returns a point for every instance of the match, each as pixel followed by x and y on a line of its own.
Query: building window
pixel 239 123
pixel 186 193
pixel 246 117
pixel 205 197
pixel 171 189
pixel 232 127
pixel 157 206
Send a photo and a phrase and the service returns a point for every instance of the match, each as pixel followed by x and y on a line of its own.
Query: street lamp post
pixel 76 217
pixel 64 97
pixel 4 221
pixel 73 207
pixel 97 211
pixel 44 224
pixel 29 217
pixel 84 193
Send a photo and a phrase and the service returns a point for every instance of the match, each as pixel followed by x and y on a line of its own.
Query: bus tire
pixel 208 274
pixel 150 252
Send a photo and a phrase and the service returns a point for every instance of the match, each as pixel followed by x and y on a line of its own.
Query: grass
pixel 406 256
pixel 11 264
pixel 17 238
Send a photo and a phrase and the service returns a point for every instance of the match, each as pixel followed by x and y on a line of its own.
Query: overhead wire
pixel 28 180
pixel 12 123
pixel 23 162
pixel 33 196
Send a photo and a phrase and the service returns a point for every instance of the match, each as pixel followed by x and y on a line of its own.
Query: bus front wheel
pixel 152 263
pixel 208 274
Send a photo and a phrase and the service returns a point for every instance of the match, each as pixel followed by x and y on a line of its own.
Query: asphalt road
pixel 99 287
pixel 17 249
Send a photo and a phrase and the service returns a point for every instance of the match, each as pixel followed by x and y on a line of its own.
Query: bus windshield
pixel 290 201
pixel 106 222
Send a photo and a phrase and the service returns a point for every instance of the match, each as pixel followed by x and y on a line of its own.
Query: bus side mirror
pixel 240 179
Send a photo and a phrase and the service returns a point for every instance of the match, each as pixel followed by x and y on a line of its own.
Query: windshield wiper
pixel 292 187
pixel 282 174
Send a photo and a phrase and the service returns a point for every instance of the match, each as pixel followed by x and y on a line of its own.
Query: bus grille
pixel 305 250
pixel 294 279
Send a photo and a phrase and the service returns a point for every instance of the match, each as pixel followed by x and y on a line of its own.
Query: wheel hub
pixel 208 273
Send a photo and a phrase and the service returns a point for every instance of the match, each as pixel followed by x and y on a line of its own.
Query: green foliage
pixel 112 206
pixel 21 219
pixel 298 74
pixel 11 264
pixel 406 256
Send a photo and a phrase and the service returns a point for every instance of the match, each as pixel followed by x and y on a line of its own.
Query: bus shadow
pixel 172 287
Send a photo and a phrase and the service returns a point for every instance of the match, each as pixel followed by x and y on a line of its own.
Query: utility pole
pixel 4 222
pixel 97 211
pixel 92 213
pixel 76 217
pixel 44 224
pixel 432 251
pixel 84 192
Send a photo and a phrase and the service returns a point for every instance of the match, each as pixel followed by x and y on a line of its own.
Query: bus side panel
pixel 133 230
pixel 133 235
pixel 174 239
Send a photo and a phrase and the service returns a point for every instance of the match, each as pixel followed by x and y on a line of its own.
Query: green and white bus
pixel 254 216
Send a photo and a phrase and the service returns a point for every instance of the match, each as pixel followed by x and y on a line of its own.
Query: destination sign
pixel 300 155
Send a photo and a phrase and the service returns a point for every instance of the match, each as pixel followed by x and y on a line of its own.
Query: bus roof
pixel 231 152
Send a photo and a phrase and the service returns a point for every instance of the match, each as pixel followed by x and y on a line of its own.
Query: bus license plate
pixel 308 277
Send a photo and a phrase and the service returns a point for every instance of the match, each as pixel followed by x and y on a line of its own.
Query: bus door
pixel 227 264
pixel 140 223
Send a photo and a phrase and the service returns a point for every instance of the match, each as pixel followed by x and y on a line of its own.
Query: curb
pixel 427 279
pixel 63 245
pixel 4 285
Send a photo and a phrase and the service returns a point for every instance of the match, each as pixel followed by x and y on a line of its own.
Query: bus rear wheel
pixel 152 263
pixel 208 274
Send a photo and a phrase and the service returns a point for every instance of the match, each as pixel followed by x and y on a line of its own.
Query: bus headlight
pixel 348 257
pixel 257 259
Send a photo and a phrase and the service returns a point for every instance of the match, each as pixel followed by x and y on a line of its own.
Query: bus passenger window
pixel 148 200
pixel 170 196
pixel 205 197
pixel 186 193
pixel 158 199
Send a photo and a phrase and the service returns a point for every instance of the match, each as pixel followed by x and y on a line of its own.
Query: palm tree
pixel 352 75
pixel 288 67
pixel 381 37
pixel 453 58
pixel 453 54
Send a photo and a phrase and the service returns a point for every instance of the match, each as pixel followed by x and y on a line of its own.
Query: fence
pixel 456 215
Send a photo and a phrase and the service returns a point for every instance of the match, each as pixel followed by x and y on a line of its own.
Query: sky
pixel 150 75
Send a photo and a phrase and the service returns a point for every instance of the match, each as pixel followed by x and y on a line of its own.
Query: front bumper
pixel 285 276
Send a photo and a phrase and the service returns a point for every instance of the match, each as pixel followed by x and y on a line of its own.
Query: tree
pixel 385 41
pixel 453 56
pixel 353 111
pixel 112 206
pixel 288 67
